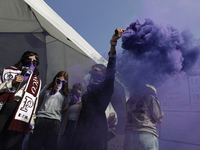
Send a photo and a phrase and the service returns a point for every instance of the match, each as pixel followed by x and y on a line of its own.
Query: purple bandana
pixel 30 67
pixel 60 85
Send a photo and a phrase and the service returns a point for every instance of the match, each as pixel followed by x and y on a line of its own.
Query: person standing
pixel 53 99
pixel 91 130
pixel 19 91
pixel 70 117
pixel 143 112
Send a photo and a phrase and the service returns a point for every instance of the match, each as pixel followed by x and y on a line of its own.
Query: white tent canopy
pixel 33 25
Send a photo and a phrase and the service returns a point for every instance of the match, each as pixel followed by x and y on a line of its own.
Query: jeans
pixel 135 140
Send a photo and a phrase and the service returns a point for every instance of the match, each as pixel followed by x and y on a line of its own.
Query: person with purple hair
pixel 143 112
pixel 53 99
pixel 19 91
pixel 91 131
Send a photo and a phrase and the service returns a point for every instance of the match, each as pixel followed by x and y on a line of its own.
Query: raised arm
pixel 113 41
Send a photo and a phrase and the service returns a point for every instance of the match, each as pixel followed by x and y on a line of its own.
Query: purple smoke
pixel 152 53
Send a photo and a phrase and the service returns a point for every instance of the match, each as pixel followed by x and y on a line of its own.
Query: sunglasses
pixel 59 81
pixel 35 62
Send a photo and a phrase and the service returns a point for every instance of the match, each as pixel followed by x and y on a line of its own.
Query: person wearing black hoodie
pixel 91 130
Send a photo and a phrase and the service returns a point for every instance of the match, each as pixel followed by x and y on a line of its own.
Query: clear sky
pixel 96 20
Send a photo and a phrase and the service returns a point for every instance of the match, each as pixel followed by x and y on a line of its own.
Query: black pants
pixel 13 141
pixel 63 143
pixel 9 140
pixel 45 134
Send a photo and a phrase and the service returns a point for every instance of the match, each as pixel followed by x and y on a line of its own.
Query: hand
pixel 78 91
pixel 30 131
pixel 18 78
pixel 111 119
pixel 158 101
pixel 115 37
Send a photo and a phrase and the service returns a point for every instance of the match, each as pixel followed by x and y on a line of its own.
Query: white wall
pixel 180 101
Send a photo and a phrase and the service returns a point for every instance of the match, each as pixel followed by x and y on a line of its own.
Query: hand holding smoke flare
pixel 116 36
pixel 153 52
pixel 116 31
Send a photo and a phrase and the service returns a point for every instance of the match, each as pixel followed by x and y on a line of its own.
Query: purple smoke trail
pixel 152 53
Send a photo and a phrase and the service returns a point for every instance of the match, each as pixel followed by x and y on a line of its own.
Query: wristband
pixel 113 43
pixel 31 126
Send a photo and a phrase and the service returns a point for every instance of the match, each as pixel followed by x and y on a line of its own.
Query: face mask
pixel 60 84
pixel 76 94
pixel 91 80
pixel 96 77
pixel 75 97
pixel 29 67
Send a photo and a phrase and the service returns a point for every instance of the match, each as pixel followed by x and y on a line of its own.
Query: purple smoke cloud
pixel 152 53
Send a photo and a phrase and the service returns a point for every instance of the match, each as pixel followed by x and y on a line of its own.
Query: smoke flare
pixel 153 53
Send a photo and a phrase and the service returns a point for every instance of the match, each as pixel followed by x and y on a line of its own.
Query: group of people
pixel 59 118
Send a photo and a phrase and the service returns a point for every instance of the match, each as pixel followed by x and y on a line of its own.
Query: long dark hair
pixel 26 56
pixel 53 86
